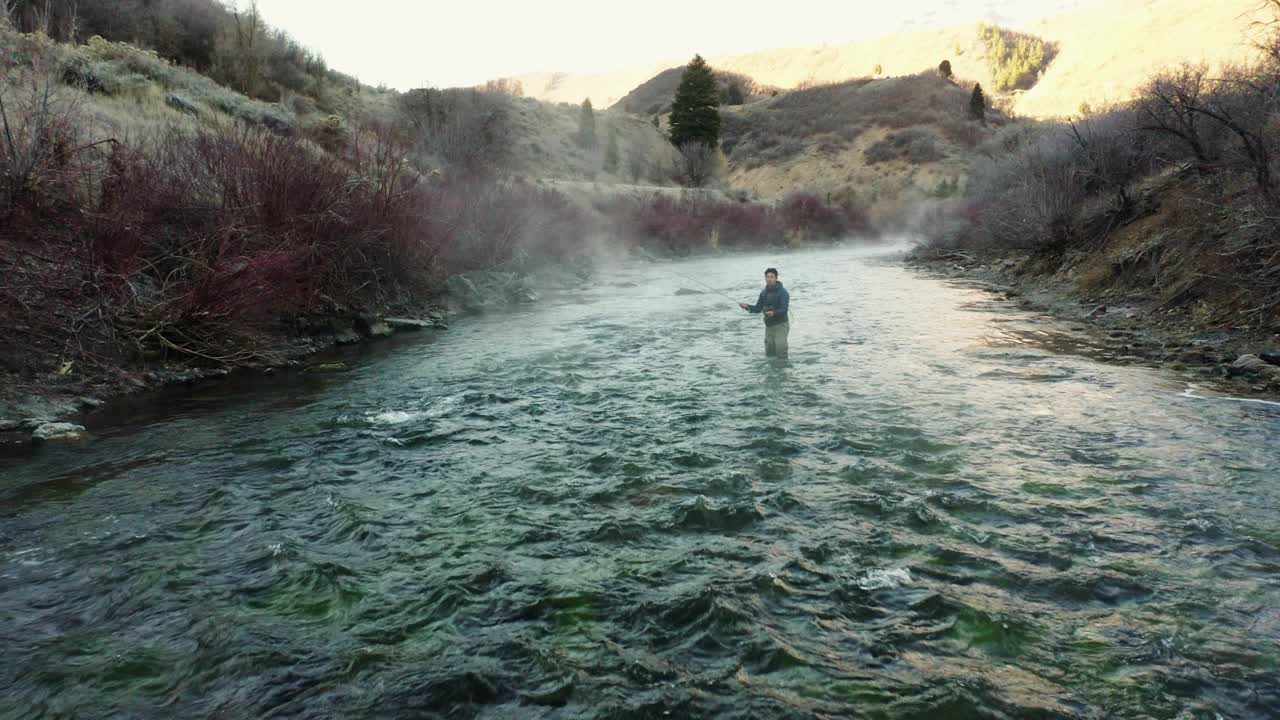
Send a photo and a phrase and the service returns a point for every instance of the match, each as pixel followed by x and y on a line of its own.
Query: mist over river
pixel 610 504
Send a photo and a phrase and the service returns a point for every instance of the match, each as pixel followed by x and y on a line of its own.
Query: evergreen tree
pixel 695 115
pixel 611 153
pixel 587 125
pixel 734 95
pixel 977 103
pixel 657 122
pixel 944 69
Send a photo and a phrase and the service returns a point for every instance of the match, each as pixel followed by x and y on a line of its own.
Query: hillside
pixel 1105 52
pixel 654 95
pixel 839 140
pixel 543 145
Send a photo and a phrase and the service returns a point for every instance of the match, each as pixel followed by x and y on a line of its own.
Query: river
pixel 610 504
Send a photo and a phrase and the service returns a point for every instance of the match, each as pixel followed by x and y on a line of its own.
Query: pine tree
pixel 587 125
pixel 695 115
pixel 977 103
pixel 944 69
pixel 734 95
pixel 611 153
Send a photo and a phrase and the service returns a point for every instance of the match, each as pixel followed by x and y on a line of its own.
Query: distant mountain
pixel 1105 51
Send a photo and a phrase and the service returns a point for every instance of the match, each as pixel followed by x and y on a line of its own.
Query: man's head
pixel 771 277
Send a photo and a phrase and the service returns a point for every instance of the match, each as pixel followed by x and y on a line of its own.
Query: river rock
pixel 1272 357
pixel 1249 365
pixel 1192 357
pixel 373 327
pixel 413 324
pixel 58 431
pixel 32 412
pixel 329 367
pixel 181 104
pixel 687 291
pixel 344 331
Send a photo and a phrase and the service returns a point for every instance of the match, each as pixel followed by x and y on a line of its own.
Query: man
pixel 773 302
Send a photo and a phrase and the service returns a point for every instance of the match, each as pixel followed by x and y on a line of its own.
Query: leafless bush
pixel 699 163
pixel 466 128
pixel 1246 102
pixel 1169 105
pixel 39 140
pixel 1112 154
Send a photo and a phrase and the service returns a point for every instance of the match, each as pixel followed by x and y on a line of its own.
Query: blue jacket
pixel 776 300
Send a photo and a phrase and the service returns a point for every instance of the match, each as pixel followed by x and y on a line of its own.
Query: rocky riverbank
pixel 1130 329
pixel 57 406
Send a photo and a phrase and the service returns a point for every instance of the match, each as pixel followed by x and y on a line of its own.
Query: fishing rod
pixel 790 314
pixel 722 294
pixel 690 279
pixel 695 280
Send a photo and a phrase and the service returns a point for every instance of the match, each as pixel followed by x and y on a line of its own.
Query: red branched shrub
pixel 748 224
pixel 806 215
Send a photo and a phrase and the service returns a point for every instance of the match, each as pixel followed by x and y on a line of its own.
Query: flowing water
pixel 611 505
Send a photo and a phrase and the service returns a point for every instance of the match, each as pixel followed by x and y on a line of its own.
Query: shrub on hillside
pixel 202 34
pixel 465 128
pixel 915 145
pixel 780 130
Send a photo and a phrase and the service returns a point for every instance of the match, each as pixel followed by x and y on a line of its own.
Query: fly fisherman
pixel 773 303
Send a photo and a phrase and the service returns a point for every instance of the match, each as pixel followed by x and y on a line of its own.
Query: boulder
pixel 328 367
pixel 1247 365
pixel 372 326
pixel 181 104
pixel 49 432
pixel 687 291
pixel 1271 357
pixel 344 331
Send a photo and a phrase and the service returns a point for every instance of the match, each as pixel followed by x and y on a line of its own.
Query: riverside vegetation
pixel 1167 204
pixel 159 224
pixel 226 199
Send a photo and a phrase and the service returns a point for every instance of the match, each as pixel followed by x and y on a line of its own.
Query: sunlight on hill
pixel 1105 52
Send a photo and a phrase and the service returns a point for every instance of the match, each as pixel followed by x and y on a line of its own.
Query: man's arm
pixel 757 307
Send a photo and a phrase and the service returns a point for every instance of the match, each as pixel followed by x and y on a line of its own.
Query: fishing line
pixel 695 280
pixel 677 273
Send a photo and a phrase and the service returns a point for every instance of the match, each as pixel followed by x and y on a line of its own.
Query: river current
pixel 610 504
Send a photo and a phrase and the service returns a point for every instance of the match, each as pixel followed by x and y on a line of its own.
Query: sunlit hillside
pixel 1104 52
pixel 882 144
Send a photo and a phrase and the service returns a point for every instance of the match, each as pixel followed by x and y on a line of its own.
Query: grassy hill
pixel 654 96
pixel 1105 51
pixel 840 141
